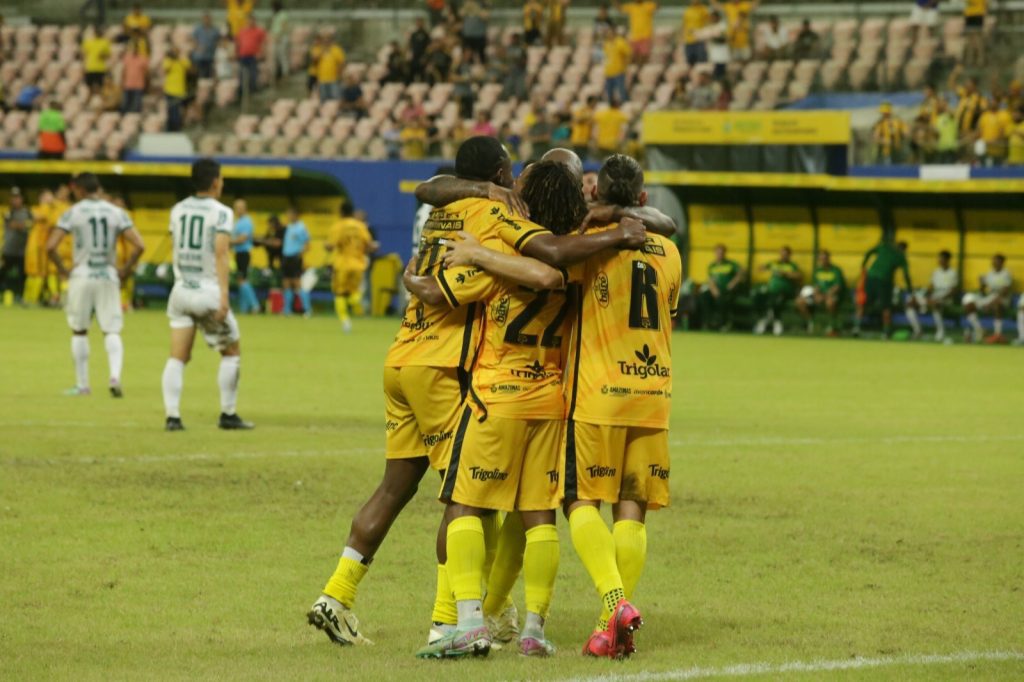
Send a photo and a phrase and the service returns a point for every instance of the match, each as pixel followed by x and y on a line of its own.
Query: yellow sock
pixel 345 581
pixel 8 298
pixel 33 288
pixel 355 302
pixel 444 601
pixel 341 307
pixel 508 562
pixel 492 529
pixel 596 548
pixel 630 552
pixel 466 557
pixel 540 568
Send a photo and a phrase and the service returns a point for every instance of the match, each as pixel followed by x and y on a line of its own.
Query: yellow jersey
pixel 695 17
pixel 328 66
pixel 95 52
pixel 737 16
pixel 556 11
pixel 609 124
pixel 890 132
pixel 314 58
pixel 975 8
pixel 176 76
pixel 968 109
pixel 350 238
pixel 238 11
pixel 990 127
pixel 582 126
pixel 533 13
pixel 620 369
pixel 1016 136
pixel 137 22
pixel 446 336
pixel 641 18
pixel 616 56
pixel 414 142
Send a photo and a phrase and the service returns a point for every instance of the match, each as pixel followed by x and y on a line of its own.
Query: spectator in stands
pixel 922 139
pixel 717 36
pixel 680 96
pixel 991 147
pixel 930 102
pixel 136 21
pixel 771 298
pixel 924 15
pixel 293 249
pixel 175 68
pixel 610 129
pixel 974 31
pixel 583 126
pixel 419 42
pixel 223 59
pixel 463 90
pixel 433 137
pixel 412 109
pixel 280 41
pixel 889 134
pixel 511 139
pixel 776 40
pixel 474 29
pixel 737 16
pixel 603 21
pixel 52 127
pixel 110 95
pixel 329 68
pixel 1016 141
pixel 18 222
pixel 414 140
pixel 695 18
pixel 27 96
pixel 807 44
pixel 703 95
pixel 391 133
pixel 438 62
pixel 437 11
pixel 352 99
pixel 206 37
pixel 483 126
pixel 515 70
pixel 316 48
pixel 540 133
pixel 641 27
pixel 724 97
pixel 250 41
pixel 398 67
pixel 239 12
pixel 95 51
pixel 718 294
pixel 458 134
pixel 563 130
pixel 968 108
pixel 616 58
pixel 533 17
pixel 555 34
pixel 947 134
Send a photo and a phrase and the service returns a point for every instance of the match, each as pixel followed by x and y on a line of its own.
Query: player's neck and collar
pixel 204 195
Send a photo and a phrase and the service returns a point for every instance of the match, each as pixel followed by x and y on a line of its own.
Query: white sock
pixel 227 379
pixel 534 624
pixel 940 326
pixel 997 325
pixel 975 323
pixel 471 613
pixel 915 324
pixel 1020 323
pixel 80 354
pixel 115 355
pixel 353 554
pixel 173 381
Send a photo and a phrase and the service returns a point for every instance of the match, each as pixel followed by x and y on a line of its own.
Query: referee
pixel 296 243
pixel 242 242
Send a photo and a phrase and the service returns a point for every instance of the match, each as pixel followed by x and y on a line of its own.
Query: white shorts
pixel 190 307
pixel 940 297
pixel 924 16
pixel 981 301
pixel 90 295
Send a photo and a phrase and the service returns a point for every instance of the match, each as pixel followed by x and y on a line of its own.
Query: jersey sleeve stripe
pixel 449 295
pixel 527 237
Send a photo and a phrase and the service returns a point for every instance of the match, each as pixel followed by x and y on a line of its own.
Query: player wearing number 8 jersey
pixel 200 228
pixel 94 280
pixel 618 396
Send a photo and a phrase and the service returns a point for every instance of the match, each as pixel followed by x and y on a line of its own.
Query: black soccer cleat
pixel 232 422
pixel 115 391
pixel 174 424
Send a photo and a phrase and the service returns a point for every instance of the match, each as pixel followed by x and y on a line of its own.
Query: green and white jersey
pixel 997 281
pixel 722 273
pixel 94 225
pixel 826 278
pixel 194 225
pixel 944 282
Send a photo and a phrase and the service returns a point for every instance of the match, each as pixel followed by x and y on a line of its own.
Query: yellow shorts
pixel 612 463
pixel 421 405
pixel 346 281
pixel 504 464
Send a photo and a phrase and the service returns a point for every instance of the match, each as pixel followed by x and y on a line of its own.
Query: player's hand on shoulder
pixel 600 214
pixel 510 198
pixel 634 234
pixel 461 251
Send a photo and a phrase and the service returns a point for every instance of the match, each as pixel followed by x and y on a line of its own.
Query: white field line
pixel 751 669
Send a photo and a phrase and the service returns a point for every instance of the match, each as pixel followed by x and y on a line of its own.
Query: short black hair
pixel 1000 256
pixel 204 173
pixel 620 181
pixel 902 245
pixel 346 208
pixel 480 158
pixel 555 196
pixel 945 254
pixel 87 182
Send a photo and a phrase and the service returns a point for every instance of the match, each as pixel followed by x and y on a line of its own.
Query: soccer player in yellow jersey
pixel 618 394
pixel 427 368
pixel 350 244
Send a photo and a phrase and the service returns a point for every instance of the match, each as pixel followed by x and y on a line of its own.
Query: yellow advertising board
pixel 990 232
pixel 719 224
pixel 778 226
pixel 746 127
pixel 848 230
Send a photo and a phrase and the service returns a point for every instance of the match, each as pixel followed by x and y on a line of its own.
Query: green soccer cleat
pixel 459 644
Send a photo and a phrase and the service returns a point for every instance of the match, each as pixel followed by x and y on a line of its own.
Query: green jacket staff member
pixel 826 288
pixel 781 288
pixel 718 295
pixel 878 281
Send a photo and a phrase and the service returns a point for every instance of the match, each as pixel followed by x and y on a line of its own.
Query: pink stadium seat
pixel 780 70
pixel 281 147
pixel 246 124
pixel 844 30
pixel 953 27
pixel 754 72
pixel 914 73
pixel 232 146
pixel 254 146
pixel 153 123
pixel 831 73
pixel 353 147
pixel 209 145
pixel 317 128
pixel 329 148
pixel 873 28
pixel 860 74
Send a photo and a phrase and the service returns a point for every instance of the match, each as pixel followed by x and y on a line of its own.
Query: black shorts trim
pixel 975 21
pixel 571 490
pixel 291 267
pixel 448 487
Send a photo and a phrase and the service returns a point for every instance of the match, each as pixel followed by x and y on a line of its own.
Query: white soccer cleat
pixel 346 326
pixel 336 621
pixel 761 326
pixel 504 627
pixel 777 328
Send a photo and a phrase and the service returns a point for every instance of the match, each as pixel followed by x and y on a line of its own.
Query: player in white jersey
pixel 200 230
pixel 994 298
pixel 939 293
pixel 94 281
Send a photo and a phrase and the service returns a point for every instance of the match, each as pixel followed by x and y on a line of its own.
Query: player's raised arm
pixel 653 219
pixel 222 247
pixel 527 272
pixel 442 190
pixel 561 252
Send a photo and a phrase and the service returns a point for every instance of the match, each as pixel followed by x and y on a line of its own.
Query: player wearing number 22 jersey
pixel 94 280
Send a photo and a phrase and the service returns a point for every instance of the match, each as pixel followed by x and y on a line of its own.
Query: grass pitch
pixel 832 499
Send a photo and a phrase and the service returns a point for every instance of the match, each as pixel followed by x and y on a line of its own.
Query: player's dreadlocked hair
pixel 480 158
pixel 555 197
pixel 620 181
